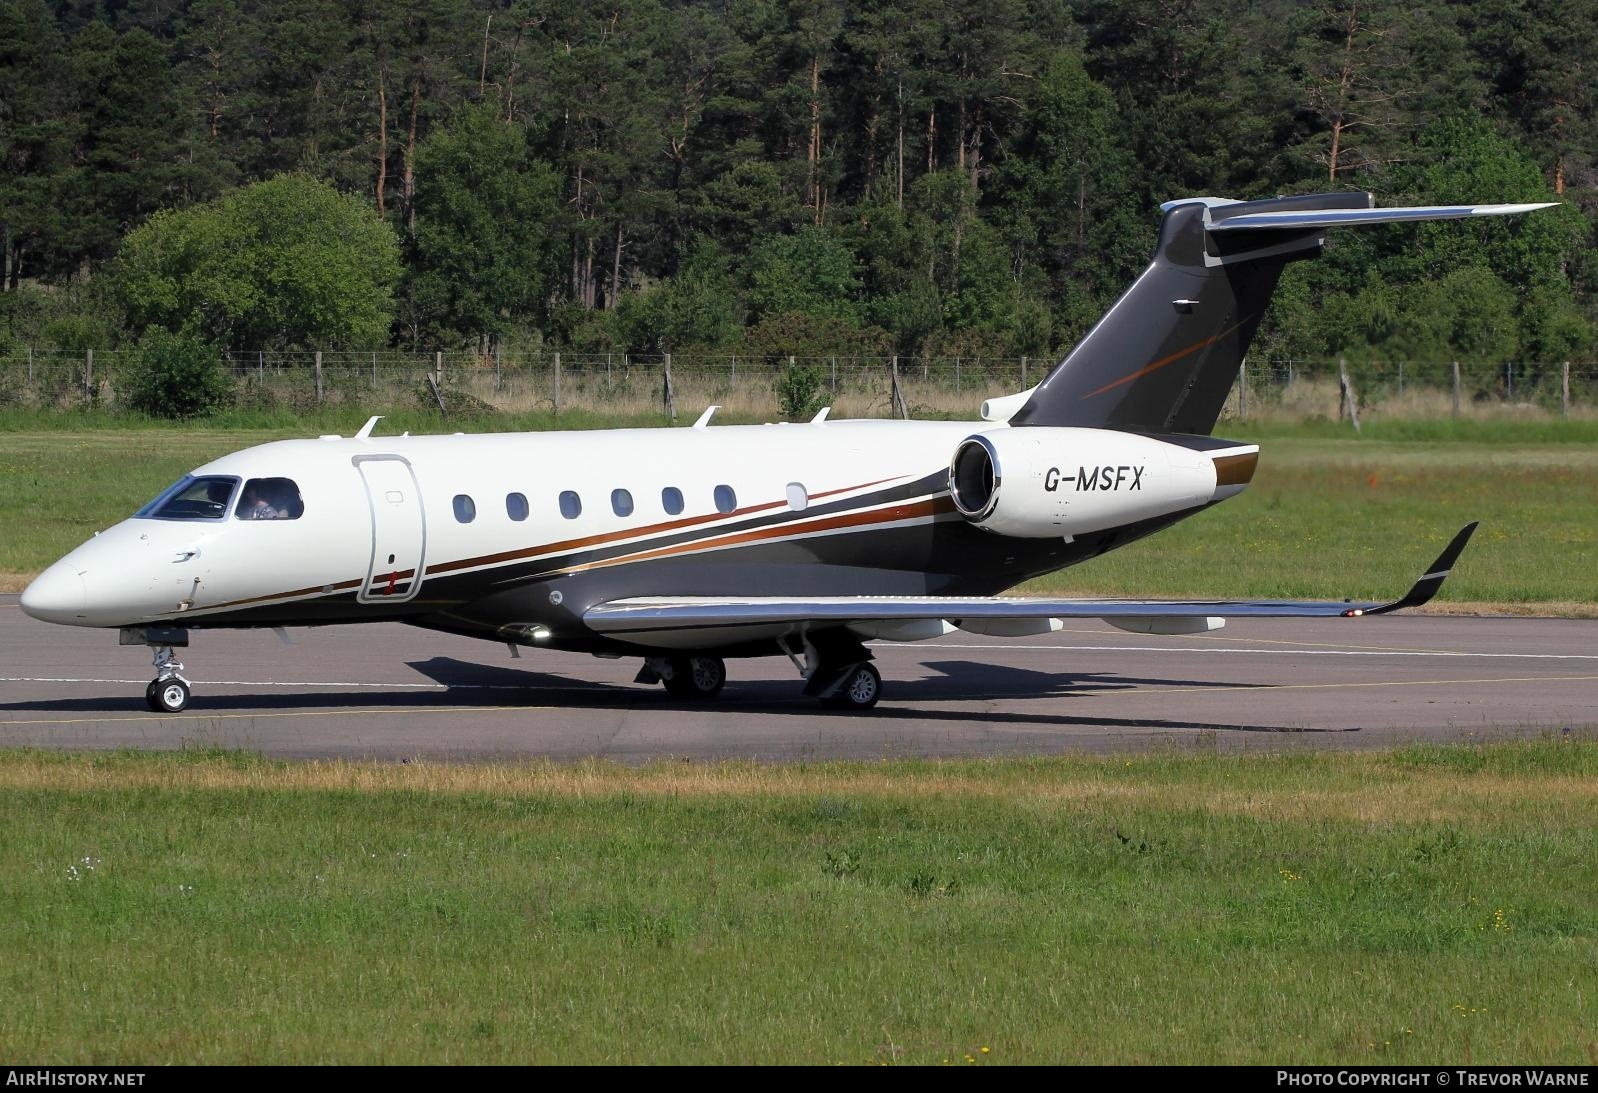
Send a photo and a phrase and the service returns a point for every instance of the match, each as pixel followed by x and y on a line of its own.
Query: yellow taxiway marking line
pixel 1272 687
pixel 264 716
pixel 1319 644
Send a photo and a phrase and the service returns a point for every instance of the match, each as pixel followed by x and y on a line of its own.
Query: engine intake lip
pixel 974 477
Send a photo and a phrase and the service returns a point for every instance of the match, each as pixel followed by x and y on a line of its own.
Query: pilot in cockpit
pixel 255 506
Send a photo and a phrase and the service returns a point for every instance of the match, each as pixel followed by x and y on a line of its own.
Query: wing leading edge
pixel 641 615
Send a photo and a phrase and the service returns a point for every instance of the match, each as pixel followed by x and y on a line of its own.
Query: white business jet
pixel 689 546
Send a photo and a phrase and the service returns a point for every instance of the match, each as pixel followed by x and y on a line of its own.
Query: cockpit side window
pixel 192 498
pixel 270 499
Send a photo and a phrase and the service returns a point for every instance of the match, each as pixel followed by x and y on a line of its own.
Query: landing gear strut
pixel 692 677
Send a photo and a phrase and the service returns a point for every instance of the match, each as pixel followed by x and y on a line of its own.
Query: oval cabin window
pixel 621 502
pixel 671 500
pixel 726 500
pixel 516 506
pixel 571 506
pixel 465 508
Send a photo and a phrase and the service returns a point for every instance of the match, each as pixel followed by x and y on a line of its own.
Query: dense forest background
pixel 781 176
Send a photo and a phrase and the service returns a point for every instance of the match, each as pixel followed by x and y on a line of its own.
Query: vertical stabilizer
pixel 1164 357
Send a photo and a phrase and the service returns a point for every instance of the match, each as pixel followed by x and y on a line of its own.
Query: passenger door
pixel 399 530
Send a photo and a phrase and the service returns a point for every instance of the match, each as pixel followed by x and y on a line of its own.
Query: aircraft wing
pixel 644 614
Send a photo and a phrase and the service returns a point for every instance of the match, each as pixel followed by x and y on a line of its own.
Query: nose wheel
pixel 169 691
pixel 171 696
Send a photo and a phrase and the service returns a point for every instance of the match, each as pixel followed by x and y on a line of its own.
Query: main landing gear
pixel 837 670
pixel 836 667
pixel 694 677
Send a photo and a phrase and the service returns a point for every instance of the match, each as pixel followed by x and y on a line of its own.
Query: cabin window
pixel 516 506
pixel 726 500
pixel 270 499
pixel 191 498
pixel 621 502
pixel 465 509
pixel 798 496
pixel 571 506
pixel 671 500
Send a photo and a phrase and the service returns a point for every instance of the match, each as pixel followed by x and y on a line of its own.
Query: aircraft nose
pixel 56 595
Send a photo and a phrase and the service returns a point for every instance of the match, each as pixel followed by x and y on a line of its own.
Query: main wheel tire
pixel 171 696
pixel 859 691
pixel 150 698
pixel 696 677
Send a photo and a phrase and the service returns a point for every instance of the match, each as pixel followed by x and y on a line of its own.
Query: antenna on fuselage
pixel 366 430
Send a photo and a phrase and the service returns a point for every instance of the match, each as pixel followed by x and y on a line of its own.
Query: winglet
pixel 1424 589
pixel 704 418
pixel 366 430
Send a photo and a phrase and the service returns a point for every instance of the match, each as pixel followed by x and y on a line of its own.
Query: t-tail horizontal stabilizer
pixel 641 616
pixel 1333 218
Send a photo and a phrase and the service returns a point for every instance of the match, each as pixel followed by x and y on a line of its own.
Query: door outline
pixel 370 590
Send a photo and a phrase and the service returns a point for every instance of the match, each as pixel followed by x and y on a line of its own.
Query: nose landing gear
pixel 168 692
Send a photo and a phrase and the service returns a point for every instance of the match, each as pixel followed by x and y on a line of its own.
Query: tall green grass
pixel 1422 906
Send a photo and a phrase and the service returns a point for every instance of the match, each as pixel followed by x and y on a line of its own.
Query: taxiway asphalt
pixel 387 691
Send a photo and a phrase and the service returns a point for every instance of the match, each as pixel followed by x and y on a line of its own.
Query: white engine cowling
pixel 1036 483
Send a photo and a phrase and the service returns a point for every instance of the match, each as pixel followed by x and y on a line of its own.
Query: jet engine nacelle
pixel 1039 482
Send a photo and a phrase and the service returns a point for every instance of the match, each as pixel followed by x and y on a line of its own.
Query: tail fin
pixel 1163 358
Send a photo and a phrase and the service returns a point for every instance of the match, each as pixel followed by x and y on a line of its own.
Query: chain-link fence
pixel 623 384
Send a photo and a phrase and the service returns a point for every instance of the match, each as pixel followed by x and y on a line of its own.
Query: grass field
pixel 1429 905
pixel 1326 516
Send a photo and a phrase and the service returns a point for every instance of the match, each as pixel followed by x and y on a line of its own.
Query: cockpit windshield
pixel 192 498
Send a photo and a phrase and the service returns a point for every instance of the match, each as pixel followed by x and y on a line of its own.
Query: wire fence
pixel 624 384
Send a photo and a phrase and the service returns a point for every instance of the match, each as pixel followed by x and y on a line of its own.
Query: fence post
pixel 834 377
pixel 318 375
pixel 899 406
pixel 88 373
pixel 670 396
pixel 438 369
pixel 735 370
pixel 499 381
pixel 1400 379
pixel 607 371
pixel 374 370
pixel 1564 391
pixel 1346 393
pixel 557 383
pixel 1023 373
pixel 1456 388
pixel 1242 389
pixel 260 365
